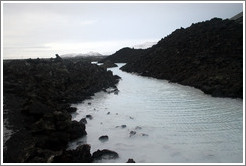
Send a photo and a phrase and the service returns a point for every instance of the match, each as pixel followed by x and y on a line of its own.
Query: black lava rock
pixel 105 154
pixel 38 94
pixel 83 120
pixel 130 161
pixel 80 155
pixel 207 55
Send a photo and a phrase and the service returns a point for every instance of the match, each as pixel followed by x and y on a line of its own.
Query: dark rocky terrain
pixel 108 64
pixel 124 55
pixel 37 103
pixel 86 58
pixel 207 55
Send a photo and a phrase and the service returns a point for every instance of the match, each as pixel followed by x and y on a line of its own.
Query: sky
pixel 31 30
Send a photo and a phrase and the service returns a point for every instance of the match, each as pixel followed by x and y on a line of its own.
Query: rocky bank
pixel 207 55
pixel 124 55
pixel 38 94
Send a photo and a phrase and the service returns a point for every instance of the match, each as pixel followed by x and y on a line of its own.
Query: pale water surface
pixel 183 125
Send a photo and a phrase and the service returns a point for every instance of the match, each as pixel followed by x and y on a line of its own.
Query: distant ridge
pixel 144 45
pixel 91 53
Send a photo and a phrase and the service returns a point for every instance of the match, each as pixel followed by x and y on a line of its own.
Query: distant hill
pixel 72 55
pixel 238 18
pixel 90 56
pixel 207 55
pixel 144 45
pixel 124 55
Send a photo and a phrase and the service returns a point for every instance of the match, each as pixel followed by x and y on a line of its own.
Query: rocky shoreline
pixel 38 94
pixel 207 55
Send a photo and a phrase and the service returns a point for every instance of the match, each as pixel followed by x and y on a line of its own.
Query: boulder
pixel 89 117
pixel 80 155
pixel 123 126
pixel 130 161
pixel 103 138
pixel 83 121
pixel 104 154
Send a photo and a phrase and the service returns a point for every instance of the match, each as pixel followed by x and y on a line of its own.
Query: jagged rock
pixel 80 155
pixel 77 130
pixel 105 154
pixel 43 90
pixel 58 58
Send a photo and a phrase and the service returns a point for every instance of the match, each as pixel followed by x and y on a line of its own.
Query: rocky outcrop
pixel 37 95
pixel 108 64
pixel 207 55
pixel 124 55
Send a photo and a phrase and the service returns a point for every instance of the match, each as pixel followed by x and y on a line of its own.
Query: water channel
pixel 172 123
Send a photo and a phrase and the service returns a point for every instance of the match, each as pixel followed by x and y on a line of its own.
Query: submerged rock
pixel 132 133
pixel 103 138
pixel 123 126
pixel 138 128
pixel 89 117
pixel 145 135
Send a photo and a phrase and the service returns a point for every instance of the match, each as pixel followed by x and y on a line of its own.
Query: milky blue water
pixel 173 123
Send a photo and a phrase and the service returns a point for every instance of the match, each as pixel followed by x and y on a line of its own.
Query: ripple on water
pixel 182 123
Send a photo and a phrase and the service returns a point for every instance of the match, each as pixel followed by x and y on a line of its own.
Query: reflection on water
pixel 173 123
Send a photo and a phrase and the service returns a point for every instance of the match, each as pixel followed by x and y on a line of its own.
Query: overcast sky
pixel 32 30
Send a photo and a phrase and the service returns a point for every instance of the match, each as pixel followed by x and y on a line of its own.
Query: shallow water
pixel 181 124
